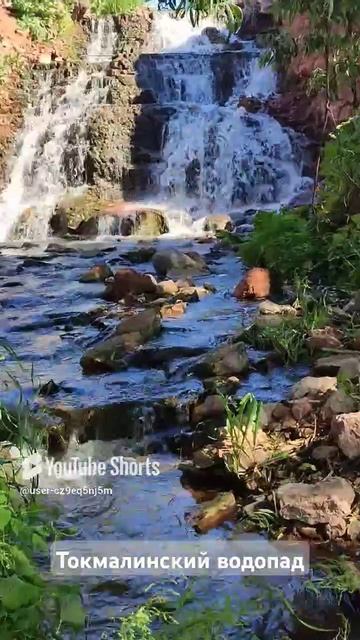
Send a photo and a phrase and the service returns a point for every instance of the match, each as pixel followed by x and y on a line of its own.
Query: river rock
pixel 175 261
pixel 144 222
pixel 129 281
pixel 326 502
pixel 218 222
pixel 227 360
pixel 88 228
pixel 255 285
pixel 170 311
pixel 167 288
pixel 313 387
pixel 327 338
pixel 271 308
pixel 301 408
pixel 345 429
pixel 98 273
pixel 252 105
pixel 346 364
pixel 213 513
pixel 210 408
pixel 114 353
pixel 192 294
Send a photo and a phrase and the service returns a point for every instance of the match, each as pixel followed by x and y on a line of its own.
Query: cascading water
pixel 217 157
pixel 52 146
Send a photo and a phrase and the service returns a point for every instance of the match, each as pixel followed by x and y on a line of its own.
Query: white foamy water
pixel 217 157
pixel 52 145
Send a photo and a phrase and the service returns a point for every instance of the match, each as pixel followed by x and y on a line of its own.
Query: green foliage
pixel 30 607
pixel 281 242
pixel 333 32
pixel 226 12
pixel 242 427
pixel 340 168
pixel 44 19
pixel 114 7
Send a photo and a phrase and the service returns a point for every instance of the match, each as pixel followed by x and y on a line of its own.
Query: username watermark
pixel 75 467
pixel 66 491
pixel 161 558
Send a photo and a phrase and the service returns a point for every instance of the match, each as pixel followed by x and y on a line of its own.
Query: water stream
pixel 52 146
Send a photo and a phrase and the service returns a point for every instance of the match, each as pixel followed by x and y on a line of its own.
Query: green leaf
pixel 5 517
pixel 72 611
pixel 15 593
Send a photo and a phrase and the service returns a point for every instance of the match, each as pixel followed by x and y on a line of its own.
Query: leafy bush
pixel 282 242
pixel 44 19
pixel 30 607
pixel 340 169
pixel 343 255
pixel 114 7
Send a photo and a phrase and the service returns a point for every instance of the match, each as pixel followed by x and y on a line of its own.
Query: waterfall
pixel 216 156
pixel 52 145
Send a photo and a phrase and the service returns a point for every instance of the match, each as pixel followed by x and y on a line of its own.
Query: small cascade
pixel 52 146
pixel 216 156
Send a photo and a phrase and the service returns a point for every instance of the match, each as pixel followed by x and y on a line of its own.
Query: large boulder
pixel 227 360
pixel 211 408
pixel 327 338
pixel 130 281
pixel 115 353
pixel 345 429
pixel 176 262
pixel 313 387
pixel 218 222
pixel 126 221
pixel 255 285
pixel 345 364
pixel 326 502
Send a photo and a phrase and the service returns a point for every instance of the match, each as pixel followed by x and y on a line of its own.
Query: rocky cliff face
pixel 118 131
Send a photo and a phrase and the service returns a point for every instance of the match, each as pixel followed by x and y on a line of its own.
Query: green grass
pixel 114 7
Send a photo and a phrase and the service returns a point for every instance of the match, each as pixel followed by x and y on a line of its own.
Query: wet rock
pixel 280 411
pixel 192 294
pixel 129 281
pixel 324 452
pixel 144 222
pixel 98 273
pixel 255 285
pixel 214 513
pixel 218 222
pixel 227 360
pixel 88 228
pixel 214 35
pixel 326 502
pixel 114 353
pixel 59 224
pixel 271 308
pixel 49 388
pixel 175 261
pixel 313 387
pixel 211 408
pixel 252 105
pixel 140 255
pixel 327 338
pixel 345 429
pixel 171 311
pixel 346 364
pixel 337 402
pixel 54 247
pixel 167 288
pixel 206 457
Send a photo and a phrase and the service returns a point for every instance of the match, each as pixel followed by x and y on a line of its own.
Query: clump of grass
pixel 242 427
pixel 114 7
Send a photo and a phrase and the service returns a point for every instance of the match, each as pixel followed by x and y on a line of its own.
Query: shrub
pixel 340 168
pixel 282 242
pixel 44 19
pixel 114 7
